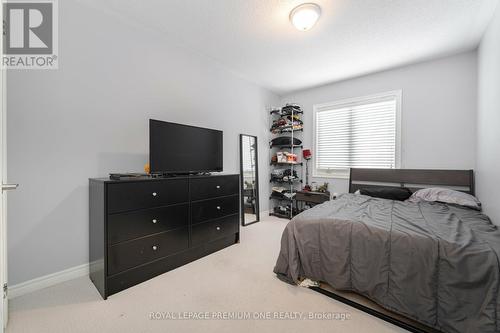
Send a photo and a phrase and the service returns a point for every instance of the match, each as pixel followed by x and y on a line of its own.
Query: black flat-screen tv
pixel 181 149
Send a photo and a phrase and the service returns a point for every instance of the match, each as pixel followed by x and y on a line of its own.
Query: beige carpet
pixel 236 279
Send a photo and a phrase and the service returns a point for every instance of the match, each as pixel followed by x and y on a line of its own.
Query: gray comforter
pixel 432 262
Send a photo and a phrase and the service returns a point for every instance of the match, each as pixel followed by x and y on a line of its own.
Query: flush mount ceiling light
pixel 305 16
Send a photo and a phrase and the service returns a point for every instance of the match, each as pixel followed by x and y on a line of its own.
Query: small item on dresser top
pixel 323 188
pixel 124 176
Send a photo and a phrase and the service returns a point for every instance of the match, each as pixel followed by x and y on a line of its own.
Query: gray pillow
pixel 446 195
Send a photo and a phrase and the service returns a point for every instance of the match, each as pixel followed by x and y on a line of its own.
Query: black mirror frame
pixel 257 213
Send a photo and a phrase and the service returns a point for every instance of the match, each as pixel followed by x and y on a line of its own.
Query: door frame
pixel 4 314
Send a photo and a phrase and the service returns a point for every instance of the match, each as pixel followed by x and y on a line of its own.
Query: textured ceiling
pixel 254 38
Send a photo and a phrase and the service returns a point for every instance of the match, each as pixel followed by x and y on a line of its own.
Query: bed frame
pixel 414 179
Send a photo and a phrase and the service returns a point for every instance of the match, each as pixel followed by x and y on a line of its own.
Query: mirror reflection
pixel 249 179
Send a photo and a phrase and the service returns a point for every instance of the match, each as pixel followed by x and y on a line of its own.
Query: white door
pixel 3 187
pixel 3 228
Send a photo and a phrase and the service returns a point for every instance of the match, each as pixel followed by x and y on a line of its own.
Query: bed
pixel 434 263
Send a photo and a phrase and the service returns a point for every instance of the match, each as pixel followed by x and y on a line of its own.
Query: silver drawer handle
pixel 218 207
pixel 155 247
pixel 155 194
pixel 218 228
pixel 218 186
pixel 155 220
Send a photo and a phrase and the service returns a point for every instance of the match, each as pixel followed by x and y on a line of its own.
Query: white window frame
pixel 344 173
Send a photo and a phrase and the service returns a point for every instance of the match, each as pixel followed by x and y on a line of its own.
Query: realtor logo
pixel 30 34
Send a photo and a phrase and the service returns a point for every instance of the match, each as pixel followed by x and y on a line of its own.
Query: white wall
pixel 438 111
pixel 488 130
pixel 90 118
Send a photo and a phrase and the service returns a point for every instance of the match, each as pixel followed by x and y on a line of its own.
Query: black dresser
pixel 143 228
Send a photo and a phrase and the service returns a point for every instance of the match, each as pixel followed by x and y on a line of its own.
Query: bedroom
pixel 225 65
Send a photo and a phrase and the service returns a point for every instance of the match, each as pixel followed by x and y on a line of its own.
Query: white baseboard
pixel 48 281
pixel 59 277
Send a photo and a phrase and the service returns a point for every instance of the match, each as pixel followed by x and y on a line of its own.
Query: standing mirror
pixel 249 180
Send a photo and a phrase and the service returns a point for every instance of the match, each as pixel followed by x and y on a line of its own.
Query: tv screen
pixel 177 148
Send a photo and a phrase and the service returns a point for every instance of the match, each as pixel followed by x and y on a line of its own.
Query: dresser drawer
pixel 214 186
pixel 136 275
pixel 209 231
pixel 214 208
pixel 129 254
pixel 126 226
pixel 146 194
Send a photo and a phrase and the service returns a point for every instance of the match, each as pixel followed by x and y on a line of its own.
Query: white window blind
pixel 361 133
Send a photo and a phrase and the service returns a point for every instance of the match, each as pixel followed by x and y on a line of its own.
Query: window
pixel 357 133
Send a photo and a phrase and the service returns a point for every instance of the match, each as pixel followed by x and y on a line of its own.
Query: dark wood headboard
pixel 461 180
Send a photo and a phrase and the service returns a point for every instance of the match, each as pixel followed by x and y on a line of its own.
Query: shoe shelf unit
pixel 286 128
